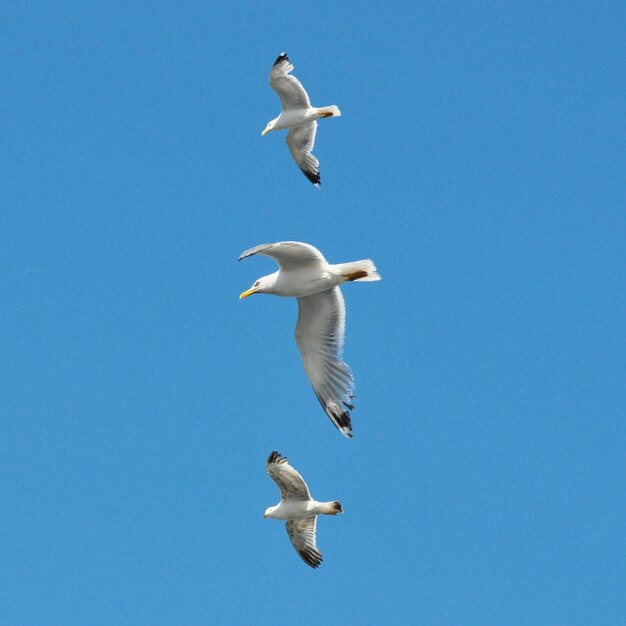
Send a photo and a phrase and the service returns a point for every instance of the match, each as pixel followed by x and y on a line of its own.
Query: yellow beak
pixel 247 293
pixel 267 130
pixel 265 516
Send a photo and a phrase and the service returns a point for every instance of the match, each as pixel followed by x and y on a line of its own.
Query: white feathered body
pixel 300 282
pixel 291 118
pixel 301 509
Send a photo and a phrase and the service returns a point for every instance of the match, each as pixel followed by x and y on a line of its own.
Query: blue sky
pixel 479 162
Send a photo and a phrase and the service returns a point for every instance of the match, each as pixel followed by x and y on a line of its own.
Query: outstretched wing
pixel 290 483
pixel 289 89
pixel 302 535
pixel 301 140
pixel 319 335
pixel 288 254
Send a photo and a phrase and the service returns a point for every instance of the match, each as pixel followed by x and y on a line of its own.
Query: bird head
pixel 262 285
pixel 268 512
pixel 270 126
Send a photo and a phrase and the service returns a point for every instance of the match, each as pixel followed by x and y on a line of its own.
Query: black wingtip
pixel 314 177
pixel 276 457
pixel 281 57
pixel 343 422
pixel 311 557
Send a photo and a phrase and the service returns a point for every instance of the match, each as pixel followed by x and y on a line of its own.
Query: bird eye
pixel 256 284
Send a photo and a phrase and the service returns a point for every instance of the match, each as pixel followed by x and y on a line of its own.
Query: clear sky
pixel 480 162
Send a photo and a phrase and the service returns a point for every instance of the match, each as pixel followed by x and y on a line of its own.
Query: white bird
pixel 299 116
pixel 298 508
pixel 306 275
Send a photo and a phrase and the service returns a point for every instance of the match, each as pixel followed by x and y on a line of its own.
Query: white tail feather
pixel 330 508
pixel 331 111
pixel 363 270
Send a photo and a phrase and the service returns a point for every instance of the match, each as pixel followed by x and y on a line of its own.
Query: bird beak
pixel 265 516
pixel 247 293
pixel 267 130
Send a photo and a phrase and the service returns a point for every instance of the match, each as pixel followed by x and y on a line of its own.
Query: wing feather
pixel 302 535
pixel 288 254
pixel 301 140
pixel 289 89
pixel 319 335
pixel 290 483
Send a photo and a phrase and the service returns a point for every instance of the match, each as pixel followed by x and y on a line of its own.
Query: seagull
pixel 306 275
pixel 299 116
pixel 298 508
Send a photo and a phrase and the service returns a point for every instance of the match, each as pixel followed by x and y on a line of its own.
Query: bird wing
pixel 301 140
pixel 302 535
pixel 289 89
pixel 319 335
pixel 288 254
pixel 290 483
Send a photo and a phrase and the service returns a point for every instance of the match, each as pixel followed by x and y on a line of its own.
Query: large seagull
pixel 306 275
pixel 298 508
pixel 299 116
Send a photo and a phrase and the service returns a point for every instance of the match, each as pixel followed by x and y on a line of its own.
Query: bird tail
pixel 363 270
pixel 331 111
pixel 331 508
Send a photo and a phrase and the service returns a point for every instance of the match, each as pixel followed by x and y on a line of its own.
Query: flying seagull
pixel 298 508
pixel 299 116
pixel 306 275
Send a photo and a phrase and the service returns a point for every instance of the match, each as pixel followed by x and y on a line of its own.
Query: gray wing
pixel 288 254
pixel 290 483
pixel 301 140
pixel 289 89
pixel 302 535
pixel 319 335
